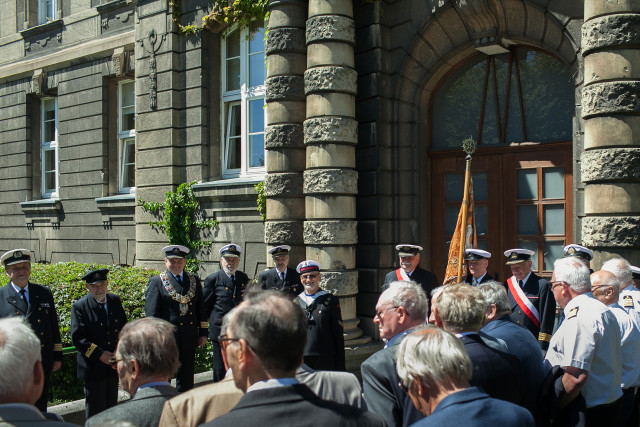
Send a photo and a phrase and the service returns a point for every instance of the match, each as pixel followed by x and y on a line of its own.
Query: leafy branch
pixel 181 220
pixel 261 200
pixel 223 12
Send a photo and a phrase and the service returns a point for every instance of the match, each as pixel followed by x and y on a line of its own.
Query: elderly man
pixel 35 303
pixel 146 358
pixel 282 277
pixel 410 269
pixel 22 376
pixel 629 294
pixel 223 290
pixel 586 345
pixel 583 254
pixel 477 262
pixel 531 302
pixel 460 309
pixel 435 369
pixel 400 309
pixel 96 320
pixel 635 272
pixel 606 289
pixel 264 346
pixel 175 295
pixel 520 343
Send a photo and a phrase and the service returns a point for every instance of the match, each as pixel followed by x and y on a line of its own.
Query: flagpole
pixel 469 147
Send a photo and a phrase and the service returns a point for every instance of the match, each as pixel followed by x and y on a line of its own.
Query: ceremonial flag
pixel 464 237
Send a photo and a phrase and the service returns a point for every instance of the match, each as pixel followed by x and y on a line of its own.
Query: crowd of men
pixel 477 352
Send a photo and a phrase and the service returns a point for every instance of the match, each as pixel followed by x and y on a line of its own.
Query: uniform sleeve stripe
pixel 57 347
pixel 204 325
pixel 544 337
pixel 90 351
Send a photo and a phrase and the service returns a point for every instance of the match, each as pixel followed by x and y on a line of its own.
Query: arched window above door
pixel 522 96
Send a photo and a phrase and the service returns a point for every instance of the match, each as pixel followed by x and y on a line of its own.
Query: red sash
pixel 523 302
pixel 402 275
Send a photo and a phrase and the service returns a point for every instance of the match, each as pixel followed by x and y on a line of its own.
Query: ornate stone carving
pixel 118 62
pixel 152 45
pixel 37 82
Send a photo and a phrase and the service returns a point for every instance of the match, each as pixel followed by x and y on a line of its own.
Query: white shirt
pixel 589 339
pixel 26 290
pixel 630 347
pixel 629 298
pixel 272 383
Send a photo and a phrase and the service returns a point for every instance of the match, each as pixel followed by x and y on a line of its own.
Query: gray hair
pixel 573 272
pixel 610 281
pixel 494 293
pixel 151 342
pixel 461 308
pixel 19 352
pixel 274 327
pixel 225 321
pixel 434 357
pixel 411 296
pixel 621 268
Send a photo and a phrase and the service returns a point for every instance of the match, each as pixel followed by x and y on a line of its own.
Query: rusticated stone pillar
pixel 284 141
pixel 610 164
pixel 330 135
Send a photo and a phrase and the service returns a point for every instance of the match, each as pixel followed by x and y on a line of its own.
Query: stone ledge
pixel 288 135
pixel 234 189
pixel 44 210
pixel 619 231
pixel 285 88
pixel 331 129
pixel 330 182
pixel 611 98
pixel 617 30
pixel 331 28
pixel 117 208
pixel 331 79
pixel 285 40
pixel 42 28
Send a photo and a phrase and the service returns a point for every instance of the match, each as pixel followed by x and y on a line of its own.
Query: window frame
pixel 243 96
pixel 124 138
pixel 46 146
pixel 54 11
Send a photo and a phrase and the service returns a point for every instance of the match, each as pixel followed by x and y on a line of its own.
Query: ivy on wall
pixel 261 200
pixel 182 221
pixel 224 13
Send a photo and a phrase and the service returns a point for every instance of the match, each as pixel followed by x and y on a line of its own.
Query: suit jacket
pixel 325 332
pixel 498 373
pixel 201 404
pixel 91 336
pixel 143 410
pixel 473 408
pixel 423 277
pixel 24 415
pixel 521 344
pixel 41 316
pixel 221 294
pixel 293 405
pixel 160 304
pixel 381 391
pixel 486 278
pixel 291 285
pixel 340 387
pixel 539 294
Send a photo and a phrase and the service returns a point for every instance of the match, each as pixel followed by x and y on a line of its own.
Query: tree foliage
pixel 182 221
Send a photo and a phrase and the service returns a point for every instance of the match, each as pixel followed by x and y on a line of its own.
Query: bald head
pixel 605 287
pixel 621 268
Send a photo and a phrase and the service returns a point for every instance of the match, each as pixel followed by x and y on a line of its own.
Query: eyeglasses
pixel 223 340
pixel 114 362
pixel 403 387
pixel 554 284
pixel 309 276
pixel 379 313
pixel 595 288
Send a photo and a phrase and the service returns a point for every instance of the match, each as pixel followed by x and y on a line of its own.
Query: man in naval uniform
pixel 96 320
pixel 635 272
pixel 410 270
pixel 583 254
pixel 35 303
pixel 530 298
pixel 629 294
pixel 478 261
pixel 175 295
pixel 281 278
pixel 223 291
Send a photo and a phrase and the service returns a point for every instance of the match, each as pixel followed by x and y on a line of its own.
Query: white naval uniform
pixel 630 347
pixel 629 298
pixel 589 339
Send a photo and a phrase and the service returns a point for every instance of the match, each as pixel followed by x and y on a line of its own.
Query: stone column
pixel 330 135
pixel 284 142
pixel 610 164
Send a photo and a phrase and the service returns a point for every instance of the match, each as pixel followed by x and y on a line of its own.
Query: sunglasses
pixel 114 362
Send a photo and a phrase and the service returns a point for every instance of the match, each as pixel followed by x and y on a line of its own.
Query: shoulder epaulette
pixel 627 301
pixel 573 312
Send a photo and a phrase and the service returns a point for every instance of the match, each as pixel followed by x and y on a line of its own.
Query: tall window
pixel 126 137
pixel 47 11
pixel 49 147
pixel 243 102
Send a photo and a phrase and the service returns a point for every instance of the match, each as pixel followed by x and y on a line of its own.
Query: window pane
pixel 128 169
pixel 481 220
pixel 49 131
pixel 257 150
pixel 483 244
pixel 527 220
pixel 553 219
pixel 552 251
pixel 46 11
pixel 234 148
pixel 527 184
pixel 454 183
pixel 452 219
pixel 256 70
pixel 256 37
pixel 489 126
pixel 49 170
pixel 532 245
pixel 256 112
pixel 233 74
pixel 514 117
pixel 49 120
pixel 128 94
pixel 233 44
pixel 479 185
pixel 553 183
pixel 128 118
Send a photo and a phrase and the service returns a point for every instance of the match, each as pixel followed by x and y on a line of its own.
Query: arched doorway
pixel 519 107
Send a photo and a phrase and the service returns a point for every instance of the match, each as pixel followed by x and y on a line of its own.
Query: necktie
pixel 282 276
pixel 474 282
pixel 521 283
pixel 24 298
pixel 103 307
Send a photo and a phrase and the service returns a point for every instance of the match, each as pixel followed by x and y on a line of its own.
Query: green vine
pixel 181 220
pixel 223 12
pixel 262 200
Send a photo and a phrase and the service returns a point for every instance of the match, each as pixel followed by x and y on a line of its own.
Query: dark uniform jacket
pixel 271 279
pixel 486 278
pixel 539 293
pixel 159 303
pixel 325 331
pixel 221 294
pixel 92 334
pixel 41 316
pixel 423 277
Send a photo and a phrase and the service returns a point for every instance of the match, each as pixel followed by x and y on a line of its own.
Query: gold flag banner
pixel 466 240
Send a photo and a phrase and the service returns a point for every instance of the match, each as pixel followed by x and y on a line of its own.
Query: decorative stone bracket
pixel 117 208
pixel 42 211
pixel 152 45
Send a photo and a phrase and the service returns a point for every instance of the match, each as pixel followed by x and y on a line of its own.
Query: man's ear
pixel 38 373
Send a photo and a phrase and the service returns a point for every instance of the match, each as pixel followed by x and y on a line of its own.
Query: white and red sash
pixel 402 275
pixel 523 302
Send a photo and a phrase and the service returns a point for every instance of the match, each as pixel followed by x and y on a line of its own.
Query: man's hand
pixel 202 341
pixel 56 365
pixel 105 357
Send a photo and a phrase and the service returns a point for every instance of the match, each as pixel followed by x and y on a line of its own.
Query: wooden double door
pixel 523 199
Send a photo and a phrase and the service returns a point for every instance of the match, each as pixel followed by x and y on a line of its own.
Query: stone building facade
pixel 355 127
